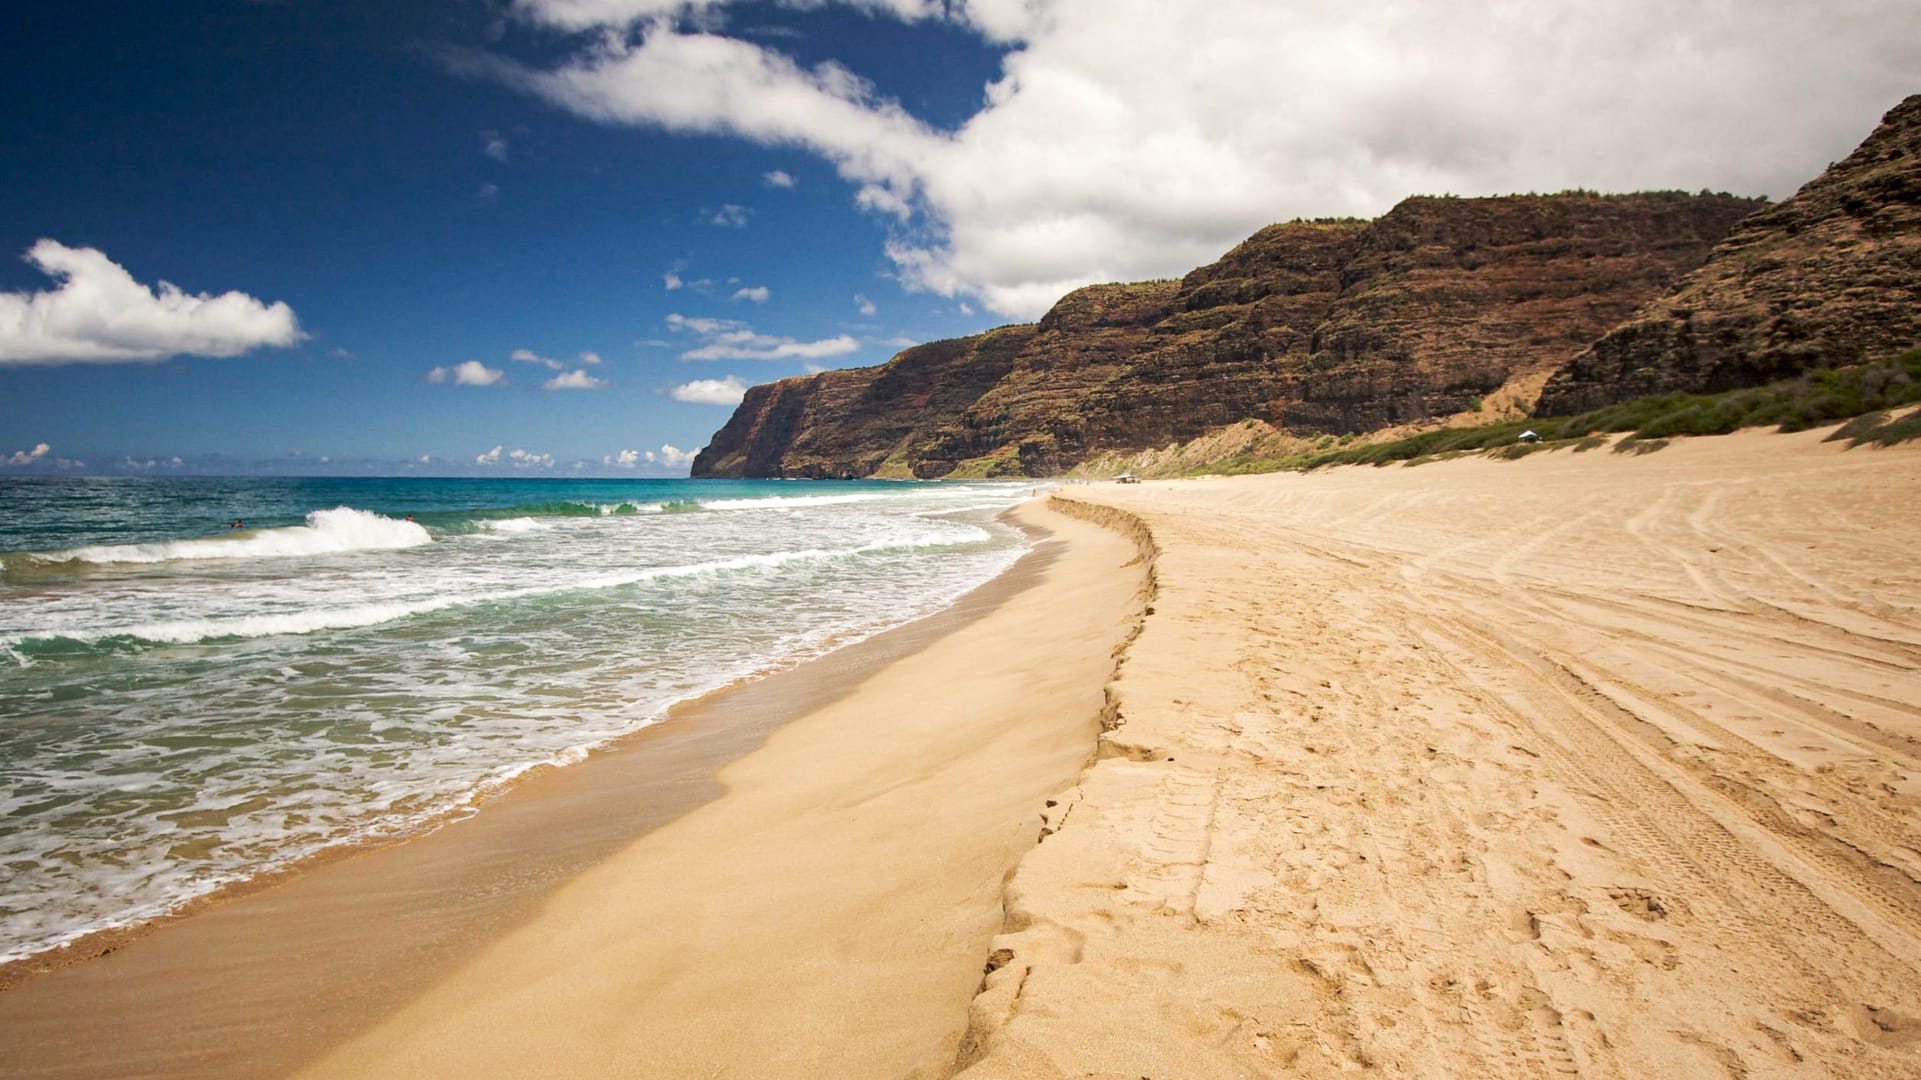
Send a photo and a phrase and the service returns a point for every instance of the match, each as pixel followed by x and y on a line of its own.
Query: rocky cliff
pixel 1330 326
pixel 1832 276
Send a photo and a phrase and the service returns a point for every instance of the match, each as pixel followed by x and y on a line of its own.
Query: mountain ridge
pixel 1328 325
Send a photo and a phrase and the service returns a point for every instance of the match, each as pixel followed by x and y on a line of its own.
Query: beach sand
pixel 820 906
pixel 1590 764
pixel 828 916
pixel 1583 764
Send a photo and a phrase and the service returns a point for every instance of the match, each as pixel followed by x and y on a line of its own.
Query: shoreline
pixel 96 944
pixel 178 999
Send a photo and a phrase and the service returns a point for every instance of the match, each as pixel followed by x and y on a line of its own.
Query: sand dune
pixel 1581 764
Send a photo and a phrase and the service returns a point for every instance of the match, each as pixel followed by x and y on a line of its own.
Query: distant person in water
pixel 237 524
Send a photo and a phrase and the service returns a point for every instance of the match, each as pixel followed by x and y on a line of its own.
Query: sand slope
pixel 1581 764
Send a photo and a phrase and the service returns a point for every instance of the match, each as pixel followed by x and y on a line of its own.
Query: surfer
pixel 237 524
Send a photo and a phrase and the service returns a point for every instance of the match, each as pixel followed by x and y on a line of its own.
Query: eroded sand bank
pixel 1581 764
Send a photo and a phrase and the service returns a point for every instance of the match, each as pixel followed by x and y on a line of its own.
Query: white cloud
pixel 626 459
pixel 1127 139
pixel 99 314
pixel 731 216
pixel 577 379
pixel 520 459
pixel 486 193
pixel 671 456
pixel 590 358
pixel 758 294
pixel 25 457
pixel 727 391
pixel 672 280
pixel 145 464
pixel 584 14
pixel 726 339
pixel 865 305
pixel 468 373
pixel 494 145
pixel 699 325
pixel 779 178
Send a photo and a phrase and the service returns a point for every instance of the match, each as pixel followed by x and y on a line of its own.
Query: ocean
pixel 184 705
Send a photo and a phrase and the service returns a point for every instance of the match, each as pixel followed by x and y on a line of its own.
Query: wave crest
pixel 327 532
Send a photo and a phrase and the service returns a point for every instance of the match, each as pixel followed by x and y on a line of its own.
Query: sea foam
pixel 327 532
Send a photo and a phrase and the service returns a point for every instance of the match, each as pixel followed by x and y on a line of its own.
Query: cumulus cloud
pixel 1126 139
pixel 779 178
pixel 865 305
pixel 520 459
pixel 671 456
pixel 726 339
pixel 528 356
pixel 671 280
pixel 494 145
pixel 626 459
pixel 727 391
pixel 577 379
pixel 99 314
pixel 468 373
pixel 27 457
pixel 758 294
pixel 731 216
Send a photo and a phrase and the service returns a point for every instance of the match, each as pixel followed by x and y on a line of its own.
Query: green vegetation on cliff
pixel 1865 394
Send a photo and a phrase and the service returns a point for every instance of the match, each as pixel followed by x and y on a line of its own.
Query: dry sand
pixel 1583 764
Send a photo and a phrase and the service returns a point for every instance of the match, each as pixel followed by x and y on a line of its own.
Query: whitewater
pixel 184 704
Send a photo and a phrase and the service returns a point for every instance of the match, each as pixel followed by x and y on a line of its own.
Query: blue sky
pixel 370 209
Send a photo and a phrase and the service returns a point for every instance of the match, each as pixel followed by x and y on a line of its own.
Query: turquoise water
pixel 183 704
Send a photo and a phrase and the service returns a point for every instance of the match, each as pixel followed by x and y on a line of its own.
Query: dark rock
pixel 1830 277
pixel 1332 326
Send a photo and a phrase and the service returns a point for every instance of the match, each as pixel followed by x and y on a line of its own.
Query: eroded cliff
pixel 1832 276
pixel 1327 326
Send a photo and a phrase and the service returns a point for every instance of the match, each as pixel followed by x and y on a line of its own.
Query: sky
pixel 561 237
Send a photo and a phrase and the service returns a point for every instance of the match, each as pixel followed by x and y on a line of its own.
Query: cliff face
pixel 1319 326
pixel 1830 277
pixel 863 421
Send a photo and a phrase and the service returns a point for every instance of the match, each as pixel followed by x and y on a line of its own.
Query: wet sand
pixel 273 979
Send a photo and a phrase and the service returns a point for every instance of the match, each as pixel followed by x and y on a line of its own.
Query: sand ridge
pixel 1584 764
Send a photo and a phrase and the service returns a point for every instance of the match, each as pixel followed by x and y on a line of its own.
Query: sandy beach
pixel 1584 764
pixel 1588 764
pixel 704 899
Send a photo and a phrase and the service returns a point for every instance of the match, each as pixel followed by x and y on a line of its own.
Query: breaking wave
pixel 327 532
